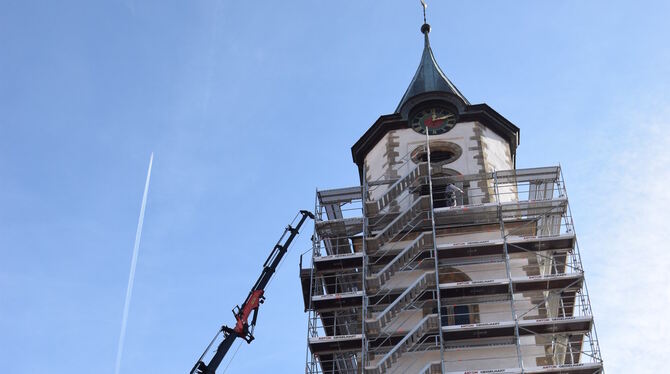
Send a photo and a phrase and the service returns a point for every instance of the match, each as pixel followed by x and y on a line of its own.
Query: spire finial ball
pixel 425 28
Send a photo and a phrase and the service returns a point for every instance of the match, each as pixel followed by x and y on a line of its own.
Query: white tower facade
pixel 446 259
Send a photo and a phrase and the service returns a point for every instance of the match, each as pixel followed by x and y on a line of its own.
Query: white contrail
pixel 133 265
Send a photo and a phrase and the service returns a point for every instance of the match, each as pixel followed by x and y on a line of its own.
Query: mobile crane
pixel 243 329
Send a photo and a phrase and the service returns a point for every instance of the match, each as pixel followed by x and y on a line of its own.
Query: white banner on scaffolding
pixel 335 257
pixel 487 371
pixel 338 295
pixel 336 338
pixel 538 369
pixel 474 283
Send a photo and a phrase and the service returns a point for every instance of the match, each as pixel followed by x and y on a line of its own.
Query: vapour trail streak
pixel 133 265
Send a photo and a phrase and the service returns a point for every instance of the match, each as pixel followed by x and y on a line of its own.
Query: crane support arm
pixel 243 329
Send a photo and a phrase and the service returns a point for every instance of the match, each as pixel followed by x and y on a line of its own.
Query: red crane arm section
pixel 243 316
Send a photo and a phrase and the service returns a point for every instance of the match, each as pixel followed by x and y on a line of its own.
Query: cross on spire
pixel 424 5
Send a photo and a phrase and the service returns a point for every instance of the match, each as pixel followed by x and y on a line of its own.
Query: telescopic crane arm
pixel 243 328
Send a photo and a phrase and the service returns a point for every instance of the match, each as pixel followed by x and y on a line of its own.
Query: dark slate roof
pixel 429 77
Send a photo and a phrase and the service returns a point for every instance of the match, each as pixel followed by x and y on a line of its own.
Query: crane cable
pixel 232 358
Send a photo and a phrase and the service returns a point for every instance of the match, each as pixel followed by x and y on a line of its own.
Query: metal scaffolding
pixel 406 278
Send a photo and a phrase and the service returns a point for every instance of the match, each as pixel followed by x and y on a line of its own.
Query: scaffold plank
pixel 520 284
pixel 577 324
pixel 343 227
pixel 337 343
pixel 488 212
pixel 516 176
pixel 337 300
pixel 338 262
pixel 578 368
pixel 340 195
pixel 514 245
pixel 548 282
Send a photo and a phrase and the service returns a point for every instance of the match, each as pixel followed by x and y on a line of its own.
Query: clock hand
pixel 445 117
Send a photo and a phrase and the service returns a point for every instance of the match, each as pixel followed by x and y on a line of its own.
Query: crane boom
pixel 243 328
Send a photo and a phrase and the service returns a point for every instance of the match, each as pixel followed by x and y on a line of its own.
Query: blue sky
pixel 251 106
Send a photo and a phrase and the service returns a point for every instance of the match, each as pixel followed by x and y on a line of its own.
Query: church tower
pixel 446 259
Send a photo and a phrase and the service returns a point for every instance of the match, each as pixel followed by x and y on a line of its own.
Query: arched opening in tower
pixel 460 313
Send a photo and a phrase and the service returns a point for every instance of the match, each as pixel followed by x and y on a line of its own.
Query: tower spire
pixel 428 77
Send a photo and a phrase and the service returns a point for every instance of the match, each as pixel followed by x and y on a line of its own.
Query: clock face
pixel 437 120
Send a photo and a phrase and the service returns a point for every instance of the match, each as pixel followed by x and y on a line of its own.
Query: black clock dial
pixel 436 120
